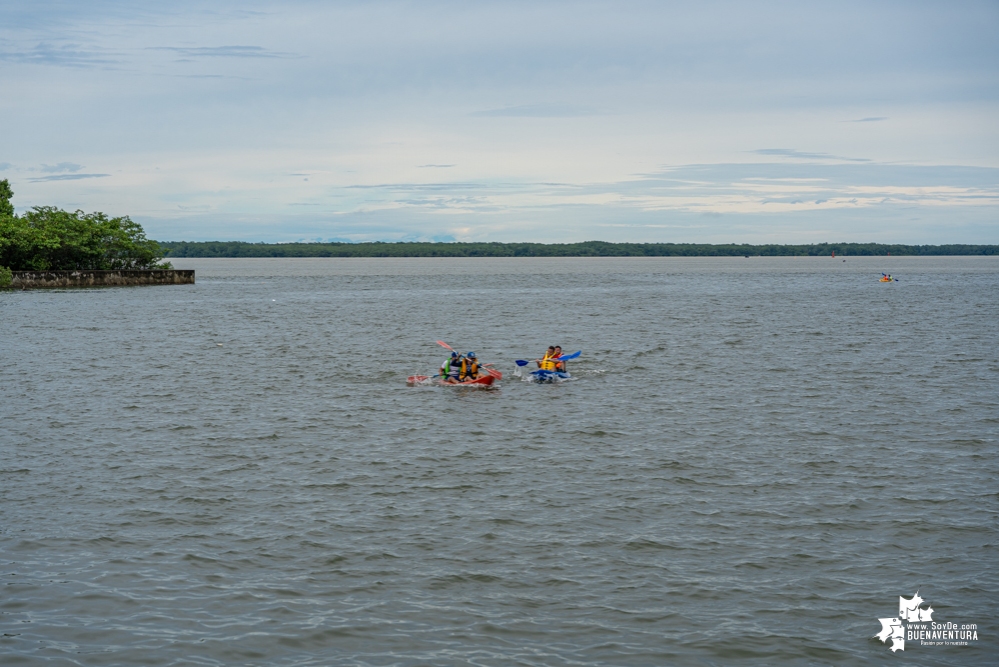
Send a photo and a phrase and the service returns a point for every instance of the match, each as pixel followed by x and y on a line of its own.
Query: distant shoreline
pixel 176 249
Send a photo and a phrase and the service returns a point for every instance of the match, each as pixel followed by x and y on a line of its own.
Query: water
pixel 756 459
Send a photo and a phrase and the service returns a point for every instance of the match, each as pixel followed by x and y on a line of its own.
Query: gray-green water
pixel 757 458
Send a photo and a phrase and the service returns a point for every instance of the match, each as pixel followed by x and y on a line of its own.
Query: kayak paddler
pixel 546 364
pixel 469 368
pixel 451 368
pixel 559 365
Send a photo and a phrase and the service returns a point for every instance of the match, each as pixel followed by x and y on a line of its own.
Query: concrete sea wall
pixel 36 279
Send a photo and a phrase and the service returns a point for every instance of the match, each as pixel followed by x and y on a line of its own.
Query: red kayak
pixel 483 381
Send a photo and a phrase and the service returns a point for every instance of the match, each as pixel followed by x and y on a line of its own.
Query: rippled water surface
pixel 756 459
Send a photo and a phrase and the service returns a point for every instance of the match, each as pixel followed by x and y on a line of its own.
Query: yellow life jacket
pixel 469 370
pixel 547 364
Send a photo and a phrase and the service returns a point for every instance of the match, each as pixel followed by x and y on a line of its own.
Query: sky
pixel 709 122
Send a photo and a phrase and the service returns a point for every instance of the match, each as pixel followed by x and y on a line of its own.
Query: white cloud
pixel 223 52
pixel 538 111
pixel 804 155
pixel 61 167
pixel 65 177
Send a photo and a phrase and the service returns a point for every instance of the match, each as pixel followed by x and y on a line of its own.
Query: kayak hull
pixel 549 376
pixel 417 380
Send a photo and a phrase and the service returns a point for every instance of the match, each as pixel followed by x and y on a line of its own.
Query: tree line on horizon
pixel 47 238
pixel 583 249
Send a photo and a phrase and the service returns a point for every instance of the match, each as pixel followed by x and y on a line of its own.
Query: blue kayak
pixel 550 376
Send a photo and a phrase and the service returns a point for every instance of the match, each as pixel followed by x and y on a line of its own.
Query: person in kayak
pixel 559 365
pixel 451 368
pixel 469 368
pixel 546 364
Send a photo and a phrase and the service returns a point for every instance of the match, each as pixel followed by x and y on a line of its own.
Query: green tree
pixel 47 238
pixel 6 222
pixel 6 194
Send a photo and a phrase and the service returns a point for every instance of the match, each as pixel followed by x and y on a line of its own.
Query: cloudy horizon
pixel 553 122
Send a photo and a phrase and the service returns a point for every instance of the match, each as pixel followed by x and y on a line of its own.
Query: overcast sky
pixel 626 121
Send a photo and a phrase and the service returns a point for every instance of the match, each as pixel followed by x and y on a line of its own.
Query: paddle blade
pixel 521 362
pixel 445 345
pixel 569 357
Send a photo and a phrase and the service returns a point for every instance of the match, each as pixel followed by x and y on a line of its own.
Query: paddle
pixel 492 371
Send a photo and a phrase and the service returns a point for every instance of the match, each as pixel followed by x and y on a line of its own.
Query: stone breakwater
pixel 41 279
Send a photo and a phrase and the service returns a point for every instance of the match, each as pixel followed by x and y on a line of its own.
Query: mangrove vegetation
pixel 47 238
pixel 585 249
